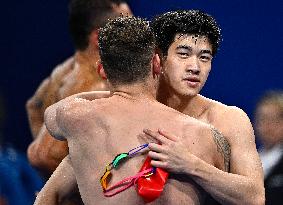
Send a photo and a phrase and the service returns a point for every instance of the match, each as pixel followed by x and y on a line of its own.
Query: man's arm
pixel 61 186
pixel 46 95
pixel 35 107
pixel 45 153
pixel 244 185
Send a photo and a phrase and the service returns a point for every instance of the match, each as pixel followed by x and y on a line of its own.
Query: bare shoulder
pixel 231 121
pixel 79 113
pixel 234 124
pixel 62 69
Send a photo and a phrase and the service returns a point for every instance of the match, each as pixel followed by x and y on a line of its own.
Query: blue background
pixel 34 39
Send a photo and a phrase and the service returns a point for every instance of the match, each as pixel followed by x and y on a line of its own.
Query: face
pixel 122 8
pixel 187 65
pixel 269 124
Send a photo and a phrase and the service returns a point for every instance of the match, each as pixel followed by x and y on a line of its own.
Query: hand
pixel 171 153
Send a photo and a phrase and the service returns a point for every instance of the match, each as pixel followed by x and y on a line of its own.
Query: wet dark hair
pixel 193 22
pixel 126 47
pixel 87 15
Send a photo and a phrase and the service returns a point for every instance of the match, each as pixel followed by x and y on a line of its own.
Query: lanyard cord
pixel 127 182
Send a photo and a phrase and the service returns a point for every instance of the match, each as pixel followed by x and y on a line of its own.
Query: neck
pixel 193 106
pixel 137 91
pixel 86 63
pixel 87 59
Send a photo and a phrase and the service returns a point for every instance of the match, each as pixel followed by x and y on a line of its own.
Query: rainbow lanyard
pixel 127 182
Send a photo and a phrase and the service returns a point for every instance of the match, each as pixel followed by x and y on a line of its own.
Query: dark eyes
pixel 183 54
pixel 203 57
pixel 206 58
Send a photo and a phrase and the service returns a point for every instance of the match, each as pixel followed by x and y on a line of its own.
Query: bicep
pixel 244 156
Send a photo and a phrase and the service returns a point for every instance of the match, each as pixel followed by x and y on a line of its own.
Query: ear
pixel 101 72
pixel 156 65
pixel 93 38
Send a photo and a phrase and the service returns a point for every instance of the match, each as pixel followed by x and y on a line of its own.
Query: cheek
pixel 206 69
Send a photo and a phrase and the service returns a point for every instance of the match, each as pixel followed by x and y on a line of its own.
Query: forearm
pixel 61 188
pixel 47 197
pixel 46 153
pixel 228 188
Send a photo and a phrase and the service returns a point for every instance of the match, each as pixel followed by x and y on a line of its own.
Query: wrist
pixel 193 164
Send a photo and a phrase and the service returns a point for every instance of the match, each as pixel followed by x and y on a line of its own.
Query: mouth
pixel 192 81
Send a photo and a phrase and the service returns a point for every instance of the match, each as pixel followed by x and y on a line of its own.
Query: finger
pixel 156 156
pixel 168 135
pixel 144 138
pixel 156 147
pixel 159 164
pixel 157 136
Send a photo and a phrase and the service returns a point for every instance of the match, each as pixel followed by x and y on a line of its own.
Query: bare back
pixel 99 130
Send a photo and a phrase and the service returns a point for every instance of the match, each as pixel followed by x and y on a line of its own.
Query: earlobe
pixel 101 72
pixel 156 64
pixel 93 38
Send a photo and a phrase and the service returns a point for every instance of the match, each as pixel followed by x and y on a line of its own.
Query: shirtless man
pixel 190 58
pixel 188 40
pixel 98 130
pixel 75 75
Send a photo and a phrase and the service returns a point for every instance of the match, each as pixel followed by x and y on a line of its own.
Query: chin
pixel 189 94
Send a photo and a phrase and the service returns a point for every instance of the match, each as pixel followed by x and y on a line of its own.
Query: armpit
pixel 223 147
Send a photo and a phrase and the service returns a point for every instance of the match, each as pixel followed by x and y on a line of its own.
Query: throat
pixel 195 107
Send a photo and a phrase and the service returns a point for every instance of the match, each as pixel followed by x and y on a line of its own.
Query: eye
pixel 206 58
pixel 183 54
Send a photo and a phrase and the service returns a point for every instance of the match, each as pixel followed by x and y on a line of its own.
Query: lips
pixel 192 81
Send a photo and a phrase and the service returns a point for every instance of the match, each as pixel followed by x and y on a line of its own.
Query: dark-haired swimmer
pixel 188 40
pixel 96 131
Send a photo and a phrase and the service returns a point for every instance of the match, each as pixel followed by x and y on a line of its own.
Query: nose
pixel 193 66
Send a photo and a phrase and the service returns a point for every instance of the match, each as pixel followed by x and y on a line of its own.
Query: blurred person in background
pixel 18 181
pixel 77 74
pixel 269 129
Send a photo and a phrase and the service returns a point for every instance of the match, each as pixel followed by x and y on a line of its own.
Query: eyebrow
pixel 189 48
pixel 206 51
pixel 184 47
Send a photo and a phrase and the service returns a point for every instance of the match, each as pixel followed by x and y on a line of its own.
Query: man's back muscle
pixel 112 127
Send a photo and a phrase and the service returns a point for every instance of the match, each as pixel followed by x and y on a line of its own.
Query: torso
pixel 113 126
